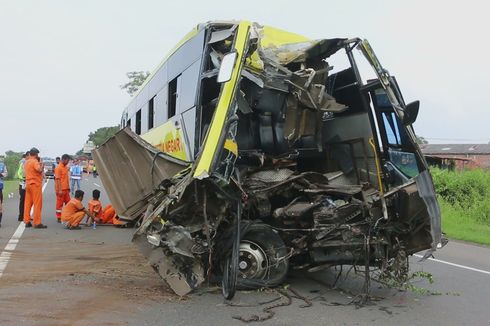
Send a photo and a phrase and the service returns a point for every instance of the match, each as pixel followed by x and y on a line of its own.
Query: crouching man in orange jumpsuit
pixel 62 185
pixel 74 212
pixel 105 216
pixel 109 216
pixel 34 193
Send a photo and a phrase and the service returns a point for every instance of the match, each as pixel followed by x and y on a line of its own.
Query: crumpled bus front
pixel 298 162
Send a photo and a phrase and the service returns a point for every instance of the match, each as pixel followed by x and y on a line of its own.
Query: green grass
pixel 464 198
pixel 10 186
pixel 459 226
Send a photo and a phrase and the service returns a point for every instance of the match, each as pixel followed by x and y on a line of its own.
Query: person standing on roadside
pixel 34 193
pixel 62 185
pixel 3 174
pixel 21 175
pixel 75 176
pixel 57 162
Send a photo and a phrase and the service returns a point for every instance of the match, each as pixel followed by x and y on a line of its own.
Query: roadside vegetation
pixel 10 186
pixel 11 160
pixel 464 198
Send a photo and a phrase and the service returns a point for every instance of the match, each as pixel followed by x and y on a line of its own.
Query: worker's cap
pixel 34 150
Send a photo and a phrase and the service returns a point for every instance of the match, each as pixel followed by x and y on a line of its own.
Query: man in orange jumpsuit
pixel 109 215
pixel 95 206
pixel 34 193
pixel 62 184
pixel 103 216
pixel 74 212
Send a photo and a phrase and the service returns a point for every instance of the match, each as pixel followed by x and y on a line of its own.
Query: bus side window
pixel 391 126
pixel 128 123
pixel 151 113
pixel 172 97
pixel 138 122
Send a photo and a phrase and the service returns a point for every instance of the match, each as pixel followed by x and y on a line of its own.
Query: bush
pixel 466 193
pixel 12 162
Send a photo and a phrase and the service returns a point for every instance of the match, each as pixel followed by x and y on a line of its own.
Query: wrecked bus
pixel 251 150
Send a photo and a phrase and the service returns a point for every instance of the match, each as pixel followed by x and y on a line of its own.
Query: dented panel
pixel 131 169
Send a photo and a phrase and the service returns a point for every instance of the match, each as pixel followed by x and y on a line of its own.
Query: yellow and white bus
pixel 251 149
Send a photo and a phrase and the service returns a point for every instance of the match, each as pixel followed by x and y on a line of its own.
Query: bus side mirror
pixel 226 68
pixel 411 113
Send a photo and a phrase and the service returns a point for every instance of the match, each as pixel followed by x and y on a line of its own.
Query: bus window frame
pixel 215 135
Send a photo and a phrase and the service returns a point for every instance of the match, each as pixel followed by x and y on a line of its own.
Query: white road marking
pixel 456 265
pixel 12 244
pixel 98 185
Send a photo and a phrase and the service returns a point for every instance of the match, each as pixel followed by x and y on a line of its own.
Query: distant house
pixel 457 156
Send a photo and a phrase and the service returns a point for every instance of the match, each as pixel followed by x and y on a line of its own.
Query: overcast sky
pixel 61 62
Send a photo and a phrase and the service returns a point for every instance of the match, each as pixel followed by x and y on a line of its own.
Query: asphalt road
pixel 96 277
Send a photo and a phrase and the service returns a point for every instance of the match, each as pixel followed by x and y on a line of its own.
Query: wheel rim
pixel 253 262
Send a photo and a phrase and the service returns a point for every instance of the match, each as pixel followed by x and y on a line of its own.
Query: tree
pixel 421 140
pixel 136 79
pixel 99 136
pixel 102 134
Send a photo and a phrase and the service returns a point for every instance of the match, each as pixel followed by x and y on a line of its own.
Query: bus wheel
pixel 263 258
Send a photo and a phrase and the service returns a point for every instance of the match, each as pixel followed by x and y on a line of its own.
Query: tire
pixel 229 281
pixel 263 246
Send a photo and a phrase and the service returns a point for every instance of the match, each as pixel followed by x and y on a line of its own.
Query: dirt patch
pixel 89 264
pixel 73 283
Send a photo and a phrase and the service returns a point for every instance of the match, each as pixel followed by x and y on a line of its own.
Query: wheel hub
pixel 253 261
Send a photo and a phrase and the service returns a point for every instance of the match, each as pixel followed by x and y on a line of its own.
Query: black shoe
pixel 59 220
pixel 74 228
pixel 40 226
pixel 20 219
pixel 28 225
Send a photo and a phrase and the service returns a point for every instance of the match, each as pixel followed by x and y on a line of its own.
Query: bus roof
pixel 271 37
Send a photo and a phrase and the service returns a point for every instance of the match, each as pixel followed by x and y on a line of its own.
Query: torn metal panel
pixel 222 35
pixel 258 81
pixel 179 241
pixel 300 52
pixel 182 274
pixel 131 170
pixel 315 97
pixel 428 194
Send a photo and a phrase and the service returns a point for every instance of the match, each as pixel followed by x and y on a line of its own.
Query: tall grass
pixel 464 198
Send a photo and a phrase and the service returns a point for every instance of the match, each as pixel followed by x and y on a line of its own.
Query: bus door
pixel 404 161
